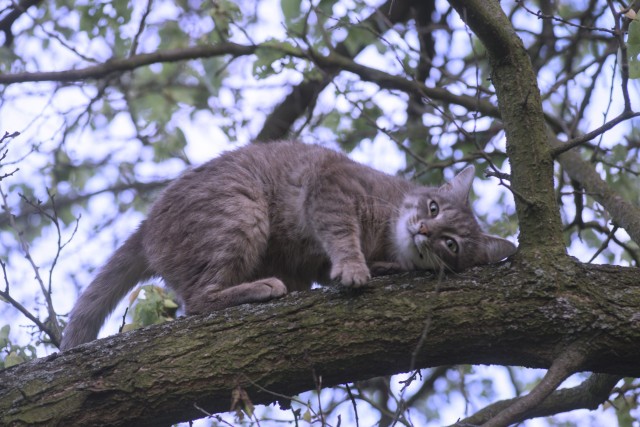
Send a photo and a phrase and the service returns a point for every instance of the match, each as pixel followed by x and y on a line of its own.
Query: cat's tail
pixel 126 267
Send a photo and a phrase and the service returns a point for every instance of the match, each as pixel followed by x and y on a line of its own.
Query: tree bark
pixel 507 315
pixel 515 81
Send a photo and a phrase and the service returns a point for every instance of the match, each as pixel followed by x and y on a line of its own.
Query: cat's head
pixel 436 228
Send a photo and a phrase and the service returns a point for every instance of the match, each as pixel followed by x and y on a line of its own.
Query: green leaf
pixel 634 32
pixel 224 13
pixel 326 7
pixel 13 359
pixel 633 49
pixel 155 307
pixel 4 335
pixel 290 9
pixel 169 303
pixel 268 53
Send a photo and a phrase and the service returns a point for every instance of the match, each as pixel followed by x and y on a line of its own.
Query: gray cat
pixel 265 219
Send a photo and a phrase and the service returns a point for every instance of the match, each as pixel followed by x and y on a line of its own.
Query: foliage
pixel 12 354
pixel 406 80
pixel 151 305
pixel 633 44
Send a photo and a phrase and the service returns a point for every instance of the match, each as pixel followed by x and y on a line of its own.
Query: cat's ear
pixel 496 248
pixel 460 185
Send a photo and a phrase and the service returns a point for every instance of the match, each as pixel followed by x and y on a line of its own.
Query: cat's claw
pixel 351 274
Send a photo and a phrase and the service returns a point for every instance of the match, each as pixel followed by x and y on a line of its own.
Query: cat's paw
pixel 351 274
pixel 269 288
pixel 385 268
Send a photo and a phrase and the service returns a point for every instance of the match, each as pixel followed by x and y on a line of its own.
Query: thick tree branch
pixel 521 111
pixel 157 375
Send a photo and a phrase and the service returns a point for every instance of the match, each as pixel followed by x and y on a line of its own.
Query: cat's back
pixel 267 163
pixel 252 171
pixel 242 196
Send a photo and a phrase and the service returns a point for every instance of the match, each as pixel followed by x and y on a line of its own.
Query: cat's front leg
pixel 332 214
pixel 348 264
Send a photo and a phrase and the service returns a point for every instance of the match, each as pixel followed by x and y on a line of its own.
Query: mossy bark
pixel 492 315
pixel 521 111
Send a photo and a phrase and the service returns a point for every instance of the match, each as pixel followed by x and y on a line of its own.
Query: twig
pixel 541 15
pixel 26 313
pixel 353 402
pixel 604 244
pixel 143 20
pixel 624 60
pixel 626 115
pixel 318 381
pixel 280 395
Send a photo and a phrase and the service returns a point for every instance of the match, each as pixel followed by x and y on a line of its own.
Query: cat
pixel 262 220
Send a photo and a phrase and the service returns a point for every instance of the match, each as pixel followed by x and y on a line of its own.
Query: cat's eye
pixel 451 244
pixel 433 208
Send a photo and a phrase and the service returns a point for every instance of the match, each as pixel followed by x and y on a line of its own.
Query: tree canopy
pixel 104 102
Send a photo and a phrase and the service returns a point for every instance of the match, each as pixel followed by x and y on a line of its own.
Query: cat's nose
pixel 423 229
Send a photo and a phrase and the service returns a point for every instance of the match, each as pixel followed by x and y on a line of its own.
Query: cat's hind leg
pixel 215 297
pixel 219 264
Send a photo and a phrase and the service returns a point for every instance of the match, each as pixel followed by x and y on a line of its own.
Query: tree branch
pixel 623 213
pixel 589 395
pixel 157 375
pixel 574 142
pixel 563 366
pixel 279 122
pixel 521 110
pixel 64 202
pixel 130 63
pixel 16 12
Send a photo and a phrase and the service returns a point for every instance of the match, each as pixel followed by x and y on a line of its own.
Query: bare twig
pixel 561 148
pixel 541 15
pixel 353 402
pixel 22 309
pixel 143 20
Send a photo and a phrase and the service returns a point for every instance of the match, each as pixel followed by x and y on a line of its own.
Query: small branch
pixel 541 15
pixel 353 402
pixel 624 60
pixel 131 63
pixel 561 148
pixel 63 202
pixel 604 244
pixel 6 22
pixel 624 213
pixel 563 366
pixel 593 392
pixel 22 309
pixel 143 20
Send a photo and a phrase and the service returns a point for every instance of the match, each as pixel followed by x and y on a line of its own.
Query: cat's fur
pixel 265 219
